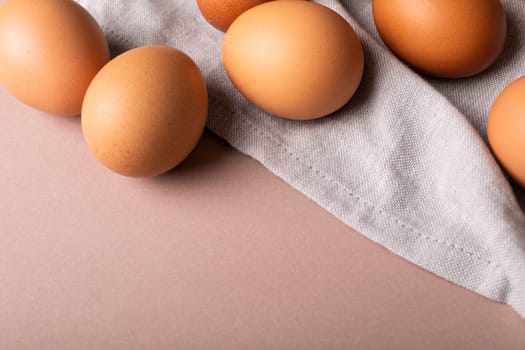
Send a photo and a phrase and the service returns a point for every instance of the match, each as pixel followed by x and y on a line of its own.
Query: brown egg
pixel 221 13
pixel 145 111
pixel 49 52
pixel 301 66
pixel 444 38
pixel 506 129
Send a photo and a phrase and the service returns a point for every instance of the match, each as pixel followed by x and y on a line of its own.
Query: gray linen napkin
pixel 405 162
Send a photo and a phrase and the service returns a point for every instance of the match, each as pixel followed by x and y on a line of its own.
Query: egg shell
pixel 506 129
pixel 221 13
pixel 49 53
pixel 443 38
pixel 145 111
pixel 294 59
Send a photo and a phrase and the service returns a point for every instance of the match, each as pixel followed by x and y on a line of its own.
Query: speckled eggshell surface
pixel 145 111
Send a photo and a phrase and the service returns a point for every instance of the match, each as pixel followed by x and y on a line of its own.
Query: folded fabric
pixel 405 162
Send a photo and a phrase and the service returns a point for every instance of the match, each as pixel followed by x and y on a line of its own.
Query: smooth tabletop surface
pixel 217 254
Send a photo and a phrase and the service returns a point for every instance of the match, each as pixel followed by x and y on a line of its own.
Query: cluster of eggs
pixel 143 112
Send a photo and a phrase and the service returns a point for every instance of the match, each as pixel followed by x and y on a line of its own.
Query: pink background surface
pixel 217 254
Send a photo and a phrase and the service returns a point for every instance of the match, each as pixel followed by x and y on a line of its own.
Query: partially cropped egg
pixel 444 38
pixel 221 13
pixel 145 111
pixel 294 59
pixel 49 52
pixel 506 129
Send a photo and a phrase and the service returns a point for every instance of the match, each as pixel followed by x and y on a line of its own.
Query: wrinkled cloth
pixel 405 163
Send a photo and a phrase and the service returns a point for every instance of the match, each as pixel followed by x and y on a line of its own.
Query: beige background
pixel 218 254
